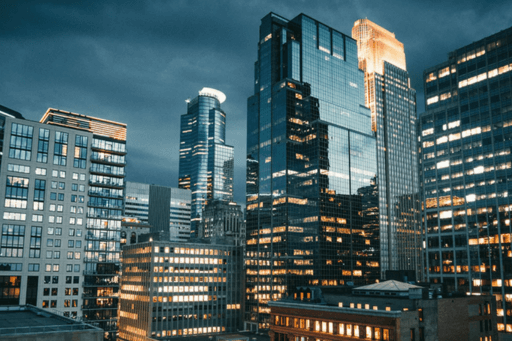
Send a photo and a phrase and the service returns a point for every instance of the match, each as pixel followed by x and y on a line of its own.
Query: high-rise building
pixel 466 171
pixel 393 104
pixel 172 290
pixel 103 157
pixel 206 162
pixel 312 197
pixel 62 214
pixel 147 204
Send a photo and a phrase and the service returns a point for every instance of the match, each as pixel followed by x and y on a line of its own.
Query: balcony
pixel 105 194
pixel 107 171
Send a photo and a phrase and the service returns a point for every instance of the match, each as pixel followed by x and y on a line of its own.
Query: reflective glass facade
pixel 393 106
pixel 206 162
pixel 312 198
pixel 466 172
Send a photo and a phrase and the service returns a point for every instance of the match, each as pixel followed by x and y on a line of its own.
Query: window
pixel 39 191
pixel 18 168
pixel 13 237
pixel 60 151
pixel 80 160
pixel 33 267
pixel 35 242
pixel 40 171
pixel 42 145
pixel 20 146
pixel 16 192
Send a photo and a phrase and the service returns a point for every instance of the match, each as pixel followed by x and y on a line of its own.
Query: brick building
pixel 392 311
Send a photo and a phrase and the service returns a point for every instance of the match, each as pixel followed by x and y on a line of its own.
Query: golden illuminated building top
pixel 376 45
pixel 97 126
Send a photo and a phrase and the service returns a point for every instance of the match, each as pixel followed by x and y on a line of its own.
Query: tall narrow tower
pixel 393 105
pixel 206 162
pixel 312 198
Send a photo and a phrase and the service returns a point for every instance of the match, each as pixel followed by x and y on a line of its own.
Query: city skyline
pixel 123 62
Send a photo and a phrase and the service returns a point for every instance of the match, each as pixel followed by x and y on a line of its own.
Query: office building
pixel 389 310
pixel 62 214
pixel 206 162
pixel 163 208
pixel 312 196
pixel 223 220
pixel 393 105
pixel 172 290
pixel 466 139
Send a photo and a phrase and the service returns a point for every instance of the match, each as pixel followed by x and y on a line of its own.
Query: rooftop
pixel 391 285
pixel 29 320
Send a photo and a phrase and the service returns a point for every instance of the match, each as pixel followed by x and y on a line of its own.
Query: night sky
pixel 137 62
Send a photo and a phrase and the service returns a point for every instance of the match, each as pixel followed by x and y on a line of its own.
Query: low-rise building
pixel 172 289
pixel 390 311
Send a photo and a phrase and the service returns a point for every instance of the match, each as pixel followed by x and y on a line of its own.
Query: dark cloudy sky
pixel 137 61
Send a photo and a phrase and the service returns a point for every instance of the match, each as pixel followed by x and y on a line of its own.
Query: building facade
pixel 175 290
pixel 393 104
pixel 163 208
pixel 62 214
pixel 312 197
pixel 206 162
pixel 466 138
pixel 388 311
pixel 223 220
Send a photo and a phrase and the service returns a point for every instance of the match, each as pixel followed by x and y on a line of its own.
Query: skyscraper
pixel 312 197
pixel 466 171
pixel 206 162
pixel 393 104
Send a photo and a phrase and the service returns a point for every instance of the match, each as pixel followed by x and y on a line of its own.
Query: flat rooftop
pixel 28 319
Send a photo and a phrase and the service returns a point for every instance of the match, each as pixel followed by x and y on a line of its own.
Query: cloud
pixel 137 61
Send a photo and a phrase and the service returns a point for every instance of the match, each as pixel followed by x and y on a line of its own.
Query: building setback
pixel 466 172
pixel 206 162
pixel 175 289
pixel 62 181
pixel 312 197
pixel 393 104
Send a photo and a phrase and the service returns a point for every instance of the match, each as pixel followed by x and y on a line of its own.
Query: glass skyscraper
pixel 393 106
pixel 312 197
pixel 206 162
pixel 466 171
